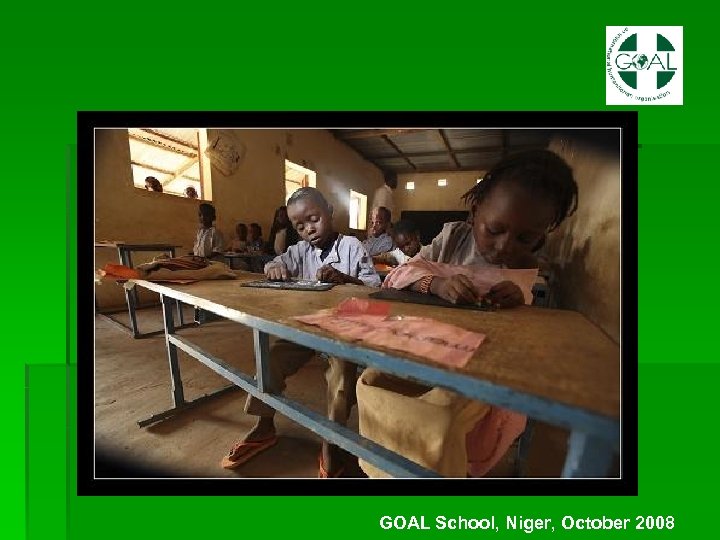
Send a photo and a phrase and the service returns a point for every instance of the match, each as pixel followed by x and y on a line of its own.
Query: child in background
pixel 255 242
pixel 406 239
pixel 323 255
pixel 239 244
pixel 209 241
pixel 153 184
pixel 514 207
pixel 282 233
pixel 378 240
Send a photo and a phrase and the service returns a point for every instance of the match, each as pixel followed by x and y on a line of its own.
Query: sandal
pixel 253 448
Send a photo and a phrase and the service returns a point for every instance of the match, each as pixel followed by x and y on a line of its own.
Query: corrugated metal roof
pixel 439 150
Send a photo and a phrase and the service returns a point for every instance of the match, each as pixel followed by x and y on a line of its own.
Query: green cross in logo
pixel 630 64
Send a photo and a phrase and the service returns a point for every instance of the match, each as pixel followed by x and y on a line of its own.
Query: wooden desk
pixel 125 252
pixel 552 365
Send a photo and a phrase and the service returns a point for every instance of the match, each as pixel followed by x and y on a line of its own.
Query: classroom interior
pixel 250 174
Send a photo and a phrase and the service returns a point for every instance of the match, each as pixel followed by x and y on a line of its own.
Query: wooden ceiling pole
pixel 459 151
pixel 447 147
pixel 179 172
pixel 157 169
pixel 150 142
pixel 400 152
pixel 372 133
pixel 169 138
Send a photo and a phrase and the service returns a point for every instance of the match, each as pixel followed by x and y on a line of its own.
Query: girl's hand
pixel 277 273
pixel 457 289
pixel 328 274
pixel 505 294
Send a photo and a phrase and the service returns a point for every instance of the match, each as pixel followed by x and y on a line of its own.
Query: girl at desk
pixel 512 209
pixel 322 255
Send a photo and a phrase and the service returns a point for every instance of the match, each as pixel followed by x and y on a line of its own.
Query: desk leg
pixel 587 457
pixel 262 358
pixel 178 304
pixel 131 296
pixel 130 299
pixel 178 396
pixel 523 449
pixel 175 379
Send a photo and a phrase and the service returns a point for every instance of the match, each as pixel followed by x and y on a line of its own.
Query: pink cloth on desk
pixel 484 277
pixel 440 342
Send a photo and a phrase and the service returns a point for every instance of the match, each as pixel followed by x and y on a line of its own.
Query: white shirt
pixel 454 245
pixel 384 197
pixel 207 242
pixel 347 255
pixel 399 256
pixel 375 245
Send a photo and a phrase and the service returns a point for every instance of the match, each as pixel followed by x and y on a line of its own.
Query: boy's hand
pixel 277 273
pixel 457 289
pixel 328 274
pixel 505 294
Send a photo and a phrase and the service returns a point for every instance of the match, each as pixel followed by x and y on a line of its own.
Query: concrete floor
pixel 132 383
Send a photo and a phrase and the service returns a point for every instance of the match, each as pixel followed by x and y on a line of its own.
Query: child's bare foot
pixel 264 429
pixel 259 438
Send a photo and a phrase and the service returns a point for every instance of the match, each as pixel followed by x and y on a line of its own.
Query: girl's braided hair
pixel 542 172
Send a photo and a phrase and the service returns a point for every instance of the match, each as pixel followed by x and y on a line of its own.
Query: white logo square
pixel 644 65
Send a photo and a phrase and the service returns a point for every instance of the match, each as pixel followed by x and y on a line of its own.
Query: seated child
pixel 518 202
pixel 255 242
pixel 282 233
pixel 239 244
pixel 324 255
pixel 378 240
pixel 209 241
pixel 406 239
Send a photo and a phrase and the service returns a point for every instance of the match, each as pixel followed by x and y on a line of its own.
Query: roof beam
pixel 436 170
pixel 179 172
pixel 459 151
pixel 372 133
pixel 170 138
pixel 150 142
pixel 387 140
pixel 447 147
pixel 158 169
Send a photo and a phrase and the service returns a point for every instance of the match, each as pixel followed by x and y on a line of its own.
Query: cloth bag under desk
pixel 426 425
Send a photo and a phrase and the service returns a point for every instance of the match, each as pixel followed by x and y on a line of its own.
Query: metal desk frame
pixel 131 296
pixel 593 441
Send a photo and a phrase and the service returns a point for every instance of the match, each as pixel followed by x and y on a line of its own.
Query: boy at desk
pixel 322 255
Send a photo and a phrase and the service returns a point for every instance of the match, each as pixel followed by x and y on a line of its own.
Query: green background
pixel 364 56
